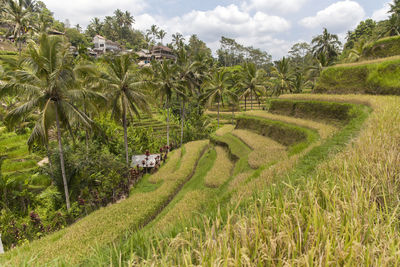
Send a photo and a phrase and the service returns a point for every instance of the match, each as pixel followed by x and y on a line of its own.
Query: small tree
pixel 218 87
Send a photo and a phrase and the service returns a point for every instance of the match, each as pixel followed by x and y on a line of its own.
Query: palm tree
pixel 327 44
pixel 161 34
pixel 282 76
pixel 356 52
pixel 128 19
pixel 96 25
pixel 218 87
pixel 125 91
pixel 188 76
pixel 18 13
pixel 395 7
pixel 153 31
pixel 314 71
pixel 165 84
pixel 178 39
pixel 252 82
pixel 47 81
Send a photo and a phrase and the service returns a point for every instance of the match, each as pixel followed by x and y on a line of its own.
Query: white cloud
pixel 82 11
pixel 337 17
pixel 229 21
pixel 381 14
pixel 282 6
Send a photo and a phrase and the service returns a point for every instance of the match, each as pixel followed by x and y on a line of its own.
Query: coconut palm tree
pixel 125 90
pixel 128 19
pixel 46 84
pixel 18 13
pixel 153 31
pixel 188 76
pixel 165 84
pixel 218 87
pixel 161 35
pixel 252 82
pixel 327 44
pixel 282 76
pixel 177 39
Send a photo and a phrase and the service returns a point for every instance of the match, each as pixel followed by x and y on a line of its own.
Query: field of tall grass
pixel 295 213
pixel 374 77
pixel 333 202
pixel 265 150
pixel 221 171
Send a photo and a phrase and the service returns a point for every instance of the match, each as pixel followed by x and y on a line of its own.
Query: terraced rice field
pixel 284 184
pixel 18 163
pixel 265 150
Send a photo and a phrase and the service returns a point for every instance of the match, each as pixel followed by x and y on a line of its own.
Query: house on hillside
pixel 102 45
pixel 162 52
pixel 144 57
pixel 158 53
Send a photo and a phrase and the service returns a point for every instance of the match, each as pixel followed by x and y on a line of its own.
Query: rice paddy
pixel 265 150
pixel 221 170
pixel 332 202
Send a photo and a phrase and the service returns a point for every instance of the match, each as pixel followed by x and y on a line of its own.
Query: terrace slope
pixel 284 200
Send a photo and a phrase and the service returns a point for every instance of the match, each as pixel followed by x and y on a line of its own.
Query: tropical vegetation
pixel 252 166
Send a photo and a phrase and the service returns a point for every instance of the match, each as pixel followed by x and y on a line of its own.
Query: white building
pixel 102 45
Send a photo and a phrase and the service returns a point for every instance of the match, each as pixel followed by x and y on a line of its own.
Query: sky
pixel 271 25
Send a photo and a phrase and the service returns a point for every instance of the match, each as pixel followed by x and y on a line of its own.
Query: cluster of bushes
pixel 330 112
pixel 385 47
pixel 284 134
pixel 380 78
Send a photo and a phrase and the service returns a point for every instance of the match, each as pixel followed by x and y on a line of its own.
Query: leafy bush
pixel 337 113
pixel 379 78
pixel 385 47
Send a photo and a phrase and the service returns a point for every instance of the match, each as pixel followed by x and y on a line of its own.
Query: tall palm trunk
pixel 168 123
pixel 182 118
pixel 125 136
pixel 218 113
pixel 233 114
pixel 60 148
pixel 86 133
pixel 251 100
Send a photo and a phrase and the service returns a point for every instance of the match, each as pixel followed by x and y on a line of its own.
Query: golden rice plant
pixel 185 208
pixel 168 168
pixel 323 129
pixel 225 129
pixel 265 150
pixel 346 212
pixel 221 171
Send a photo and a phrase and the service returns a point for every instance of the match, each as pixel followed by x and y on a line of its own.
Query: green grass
pixel 295 137
pixel 385 47
pixel 371 78
pixel 236 147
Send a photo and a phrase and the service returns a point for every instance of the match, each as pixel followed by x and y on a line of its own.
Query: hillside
pixel 242 167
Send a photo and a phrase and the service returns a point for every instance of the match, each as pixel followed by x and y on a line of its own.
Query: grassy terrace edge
pixel 378 77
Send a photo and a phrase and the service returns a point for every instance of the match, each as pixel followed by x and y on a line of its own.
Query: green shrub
pixel 380 78
pixel 284 134
pixel 315 110
pixel 385 47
